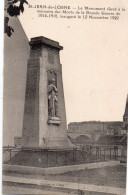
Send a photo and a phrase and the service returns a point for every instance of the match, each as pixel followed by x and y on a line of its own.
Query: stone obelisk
pixel 44 123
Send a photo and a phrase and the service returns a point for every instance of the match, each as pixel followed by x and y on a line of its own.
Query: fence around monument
pixel 53 157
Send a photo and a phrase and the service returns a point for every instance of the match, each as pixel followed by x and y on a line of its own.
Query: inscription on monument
pixel 18 142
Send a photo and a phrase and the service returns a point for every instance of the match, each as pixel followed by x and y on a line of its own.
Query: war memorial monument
pixel 44 122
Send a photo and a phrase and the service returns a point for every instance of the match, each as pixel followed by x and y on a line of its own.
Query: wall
pixel 94 129
pixel 104 128
pixel 16 53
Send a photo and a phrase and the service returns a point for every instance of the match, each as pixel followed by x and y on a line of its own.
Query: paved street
pixel 22 190
pixel 100 181
pixel 64 185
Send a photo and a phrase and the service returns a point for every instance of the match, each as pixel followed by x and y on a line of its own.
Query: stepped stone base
pixel 58 143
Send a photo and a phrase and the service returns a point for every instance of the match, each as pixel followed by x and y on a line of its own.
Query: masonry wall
pixel 103 128
pixel 16 54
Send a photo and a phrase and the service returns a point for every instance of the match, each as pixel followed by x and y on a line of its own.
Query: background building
pixel 95 132
pixel 100 133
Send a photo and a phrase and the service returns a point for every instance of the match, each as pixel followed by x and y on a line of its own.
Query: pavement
pixel 64 185
pixel 22 190
pixel 56 170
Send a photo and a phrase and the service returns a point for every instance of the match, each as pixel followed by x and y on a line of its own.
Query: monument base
pixel 45 157
pixel 58 143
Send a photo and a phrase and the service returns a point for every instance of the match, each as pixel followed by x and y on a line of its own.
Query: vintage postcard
pixel 65 97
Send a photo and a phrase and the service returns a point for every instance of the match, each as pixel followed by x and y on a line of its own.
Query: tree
pixel 14 8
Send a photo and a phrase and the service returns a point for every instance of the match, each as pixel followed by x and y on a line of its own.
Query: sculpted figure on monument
pixel 52 99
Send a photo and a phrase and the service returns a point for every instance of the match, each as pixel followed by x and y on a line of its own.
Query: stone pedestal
pixel 44 123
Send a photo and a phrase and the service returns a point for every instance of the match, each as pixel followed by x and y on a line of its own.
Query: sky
pixel 94 59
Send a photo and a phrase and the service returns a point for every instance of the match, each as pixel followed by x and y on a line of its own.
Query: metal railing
pixel 57 157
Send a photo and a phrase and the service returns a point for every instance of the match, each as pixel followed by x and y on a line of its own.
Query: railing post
pixel 10 153
pixel 110 152
pixel 96 153
pixel 65 156
pixel 100 153
pixel 46 157
pixel 117 152
pixel 80 192
pixel 56 157
pixel 90 152
pixel 75 155
pixel 104 153
pixel 83 154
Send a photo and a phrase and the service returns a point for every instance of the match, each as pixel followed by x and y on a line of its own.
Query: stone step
pixel 65 185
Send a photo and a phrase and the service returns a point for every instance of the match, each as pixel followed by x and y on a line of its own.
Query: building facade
pixel 94 131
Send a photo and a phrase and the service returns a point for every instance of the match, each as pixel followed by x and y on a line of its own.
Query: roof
pixel 97 122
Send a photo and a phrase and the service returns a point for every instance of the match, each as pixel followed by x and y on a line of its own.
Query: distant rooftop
pixel 86 122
